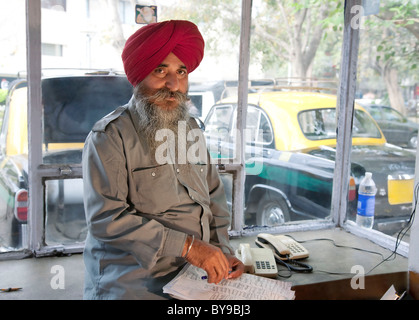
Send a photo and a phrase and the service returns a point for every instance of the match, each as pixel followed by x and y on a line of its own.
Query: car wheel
pixel 413 141
pixel 272 212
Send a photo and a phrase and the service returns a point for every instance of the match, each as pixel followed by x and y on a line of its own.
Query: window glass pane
pixel 290 177
pixel 65 221
pixel 364 127
pixel 72 105
pixel 49 49
pixel 387 89
pixel 84 99
pixel 83 80
pixel 13 136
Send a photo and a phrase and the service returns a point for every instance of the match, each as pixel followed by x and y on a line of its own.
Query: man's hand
pixel 236 266
pixel 210 258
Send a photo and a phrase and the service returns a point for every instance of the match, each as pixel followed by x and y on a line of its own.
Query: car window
pixel 218 122
pixel 252 124
pixel 72 105
pixel 363 126
pixel 392 115
pixel 320 124
pixel 266 129
pixel 258 127
pixel 375 113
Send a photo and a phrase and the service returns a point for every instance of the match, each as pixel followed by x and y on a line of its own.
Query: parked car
pixel 203 95
pixel 396 127
pixel 71 105
pixel 292 145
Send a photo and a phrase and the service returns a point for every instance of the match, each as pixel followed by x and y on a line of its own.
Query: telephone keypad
pixel 264 265
pixel 294 248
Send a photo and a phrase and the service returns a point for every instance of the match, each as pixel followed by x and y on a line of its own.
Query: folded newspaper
pixel 189 285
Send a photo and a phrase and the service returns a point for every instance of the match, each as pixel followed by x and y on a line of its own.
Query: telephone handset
pixel 283 247
pixel 259 261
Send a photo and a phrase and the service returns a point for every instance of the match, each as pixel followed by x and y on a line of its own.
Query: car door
pixel 259 133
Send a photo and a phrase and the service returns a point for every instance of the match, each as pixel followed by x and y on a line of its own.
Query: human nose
pixel 172 82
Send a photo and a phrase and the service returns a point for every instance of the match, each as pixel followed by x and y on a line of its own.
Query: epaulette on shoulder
pixel 197 123
pixel 100 125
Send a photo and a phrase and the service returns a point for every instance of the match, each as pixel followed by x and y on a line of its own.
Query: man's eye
pixel 160 72
pixel 182 72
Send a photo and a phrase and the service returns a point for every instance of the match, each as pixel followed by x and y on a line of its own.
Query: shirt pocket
pixel 156 189
pixel 196 179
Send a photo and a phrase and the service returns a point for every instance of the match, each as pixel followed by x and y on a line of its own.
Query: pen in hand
pixel 206 277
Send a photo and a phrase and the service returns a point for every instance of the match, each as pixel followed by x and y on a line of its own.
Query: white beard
pixel 155 122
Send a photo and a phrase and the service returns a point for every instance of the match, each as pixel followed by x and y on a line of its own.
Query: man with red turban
pixel 153 200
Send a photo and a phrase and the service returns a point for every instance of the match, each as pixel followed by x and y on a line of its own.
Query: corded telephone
pixel 259 261
pixel 283 247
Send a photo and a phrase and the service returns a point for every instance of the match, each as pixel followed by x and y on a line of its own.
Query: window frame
pixel 39 172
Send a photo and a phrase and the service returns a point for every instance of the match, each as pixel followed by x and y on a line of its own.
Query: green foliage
pixel 395 44
pixel 214 18
pixel 276 31
pixel 3 95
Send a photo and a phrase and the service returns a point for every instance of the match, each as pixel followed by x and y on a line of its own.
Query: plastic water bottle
pixel 366 202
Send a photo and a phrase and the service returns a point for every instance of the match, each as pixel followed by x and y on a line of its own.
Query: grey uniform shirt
pixel 140 211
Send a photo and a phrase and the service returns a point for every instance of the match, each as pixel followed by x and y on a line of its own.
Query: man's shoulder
pixel 100 125
pixel 196 123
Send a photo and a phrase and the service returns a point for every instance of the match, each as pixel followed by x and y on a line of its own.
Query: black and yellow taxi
pixel 291 136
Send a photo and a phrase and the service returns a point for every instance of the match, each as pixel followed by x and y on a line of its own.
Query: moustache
pixel 161 95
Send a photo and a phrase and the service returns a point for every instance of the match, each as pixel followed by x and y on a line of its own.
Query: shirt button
pixel 177 170
pixel 202 170
pixel 153 174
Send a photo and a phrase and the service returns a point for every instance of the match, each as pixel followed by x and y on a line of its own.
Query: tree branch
pixel 287 26
pixel 413 28
pixel 261 32
pixel 299 22
pixel 309 51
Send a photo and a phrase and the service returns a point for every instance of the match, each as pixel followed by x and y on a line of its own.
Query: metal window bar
pixel 239 175
pixel 33 23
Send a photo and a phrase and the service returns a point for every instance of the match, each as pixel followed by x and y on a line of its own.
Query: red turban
pixel 150 45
